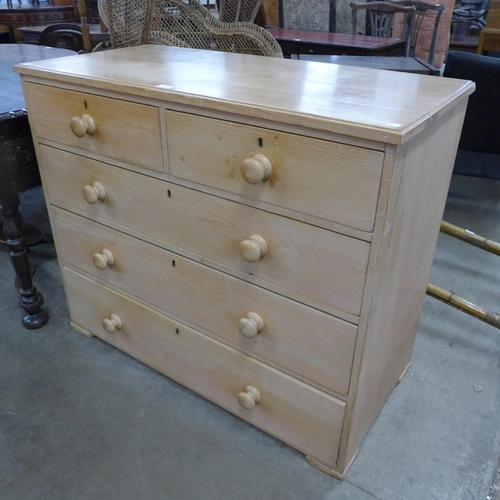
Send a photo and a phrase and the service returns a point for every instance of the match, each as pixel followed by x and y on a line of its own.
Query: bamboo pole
pixel 470 237
pixel 453 300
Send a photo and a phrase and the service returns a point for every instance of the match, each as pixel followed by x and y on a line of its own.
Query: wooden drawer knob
pixel 104 259
pixel 94 193
pixel 249 398
pixel 251 325
pixel 112 323
pixel 253 249
pixel 81 126
pixel 256 169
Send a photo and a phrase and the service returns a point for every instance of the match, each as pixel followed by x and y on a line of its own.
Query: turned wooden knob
pixel 103 259
pixel 251 325
pixel 256 169
pixel 81 126
pixel 249 398
pixel 94 193
pixel 253 249
pixel 112 323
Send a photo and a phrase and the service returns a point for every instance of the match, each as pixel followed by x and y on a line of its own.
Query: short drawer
pixel 333 181
pixel 327 267
pixel 113 128
pixel 294 412
pixel 48 17
pixel 315 346
pixel 14 18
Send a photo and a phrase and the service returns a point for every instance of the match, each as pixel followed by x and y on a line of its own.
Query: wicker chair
pixel 231 11
pixel 182 23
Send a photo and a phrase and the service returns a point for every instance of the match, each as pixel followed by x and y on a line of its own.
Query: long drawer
pixel 119 130
pixel 314 263
pixel 314 346
pixel 300 415
pixel 333 181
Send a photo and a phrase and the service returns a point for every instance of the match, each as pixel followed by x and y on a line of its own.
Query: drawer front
pixel 124 131
pixel 318 264
pixel 332 181
pixel 47 17
pixel 313 345
pixel 13 18
pixel 300 415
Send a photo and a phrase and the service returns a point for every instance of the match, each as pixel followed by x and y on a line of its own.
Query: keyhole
pixel 260 142
pixel 85 104
pixel 169 194
pixel 173 263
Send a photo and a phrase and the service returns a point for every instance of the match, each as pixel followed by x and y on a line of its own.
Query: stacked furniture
pixel 255 228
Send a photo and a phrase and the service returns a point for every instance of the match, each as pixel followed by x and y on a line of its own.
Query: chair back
pixel 232 11
pixel 421 17
pixel 182 23
pixel 381 17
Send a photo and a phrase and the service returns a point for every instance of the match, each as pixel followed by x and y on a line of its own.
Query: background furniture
pixel 489 37
pixel 23 15
pixel 184 24
pixel 263 240
pixel 478 155
pixel 31 34
pixel 315 42
pixel 231 11
pixel 304 15
pixel 479 148
pixel 405 64
pixel 65 36
pixel 424 28
pixel 19 172
pixel 380 17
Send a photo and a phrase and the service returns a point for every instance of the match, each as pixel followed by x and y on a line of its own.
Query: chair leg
pixel 463 305
pixel 470 237
pixel 451 298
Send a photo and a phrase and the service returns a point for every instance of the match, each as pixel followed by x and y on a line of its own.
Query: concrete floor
pixel 81 420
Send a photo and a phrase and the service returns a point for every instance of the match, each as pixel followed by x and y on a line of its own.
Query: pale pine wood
pixel 251 325
pixel 290 410
pixel 256 169
pixel 404 256
pixel 213 152
pixel 323 97
pixel 214 301
pixel 296 252
pixel 116 124
pixel 249 398
pixel 317 125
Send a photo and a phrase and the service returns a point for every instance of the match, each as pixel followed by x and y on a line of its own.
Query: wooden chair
pixel 422 10
pixel 231 11
pixel 381 18
pixel 489 37
pixel 183 24
pixel 62 35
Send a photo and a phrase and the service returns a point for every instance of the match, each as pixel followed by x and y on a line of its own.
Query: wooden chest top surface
pixel 369 104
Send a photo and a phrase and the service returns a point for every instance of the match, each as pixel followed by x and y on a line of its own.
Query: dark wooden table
pixel 19 171
pixel 31 34
pixel 318 42
pixel 404 64
pixel 27 15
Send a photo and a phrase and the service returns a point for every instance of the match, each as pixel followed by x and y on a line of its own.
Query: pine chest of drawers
pixel 259 230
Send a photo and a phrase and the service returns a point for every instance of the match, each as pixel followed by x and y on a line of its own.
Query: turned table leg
pixel 31 299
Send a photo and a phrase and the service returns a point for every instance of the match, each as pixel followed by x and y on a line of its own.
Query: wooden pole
pixel 470 237
pixel 82 11
pixel 463 305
